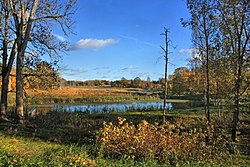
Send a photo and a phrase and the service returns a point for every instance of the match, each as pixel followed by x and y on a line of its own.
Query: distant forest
pixel 180 82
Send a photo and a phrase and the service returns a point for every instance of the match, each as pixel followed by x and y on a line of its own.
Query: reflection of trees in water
pixel 92 108
pixel 101 107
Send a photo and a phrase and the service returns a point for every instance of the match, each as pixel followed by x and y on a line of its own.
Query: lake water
pixel 91 108
pixel 111 107
pixel 101 107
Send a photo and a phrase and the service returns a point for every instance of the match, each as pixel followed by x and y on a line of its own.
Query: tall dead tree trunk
pixel 165 74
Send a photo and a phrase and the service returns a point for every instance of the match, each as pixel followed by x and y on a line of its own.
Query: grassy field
pixel 73 139
pixel 87 94
pixel 92 95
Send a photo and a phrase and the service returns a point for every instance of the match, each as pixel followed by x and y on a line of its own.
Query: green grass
pixel 71 100
pixel 19 151
pixel 68 139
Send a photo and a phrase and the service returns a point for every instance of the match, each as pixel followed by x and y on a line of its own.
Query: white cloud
pixel 104 77
pixel 187 51
pixel 90 43
pixel 139 74
pixel 60 38
pixel 101 68
pixel 129 68
pixel 138 41
pixel 196 56
pixel 195 53
pixel 71 71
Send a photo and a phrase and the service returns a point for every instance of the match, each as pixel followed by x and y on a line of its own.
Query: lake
pixel 91 108
pixel 111 107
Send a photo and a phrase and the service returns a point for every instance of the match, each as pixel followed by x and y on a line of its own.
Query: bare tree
pixel 165 72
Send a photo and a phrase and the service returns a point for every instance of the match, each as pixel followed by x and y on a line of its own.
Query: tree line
pixel 137 82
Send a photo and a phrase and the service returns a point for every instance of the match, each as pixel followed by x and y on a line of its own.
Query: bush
pixel 168 143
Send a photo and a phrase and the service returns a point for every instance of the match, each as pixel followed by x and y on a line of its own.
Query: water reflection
pixel 91 108
pixel 111 107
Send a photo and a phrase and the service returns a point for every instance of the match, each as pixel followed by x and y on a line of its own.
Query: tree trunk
pixel 207 92
pixel 237 99
pixel 4 94
pixel 236 109
pixel 19 89
pixel 22 44
pixel 207 71
pixel 5 72
pixel 165 93
pixel 5 82
pixel 165 74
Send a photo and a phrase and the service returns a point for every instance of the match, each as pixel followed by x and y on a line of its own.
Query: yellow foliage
pixel 163 142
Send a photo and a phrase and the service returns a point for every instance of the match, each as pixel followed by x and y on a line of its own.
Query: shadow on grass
pixel 78 127
pixel 81 129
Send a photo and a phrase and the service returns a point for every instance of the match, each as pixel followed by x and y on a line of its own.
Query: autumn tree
pixel 222 37
pixel 149 84
pixel 180 81
pixel 41 76
pixel 124 83
pixel 31 23
pixel 235 29
pixel 137 82
pixel 195 79
pixel 204 29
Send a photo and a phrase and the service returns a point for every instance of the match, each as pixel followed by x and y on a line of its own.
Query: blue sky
pixel 121 38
